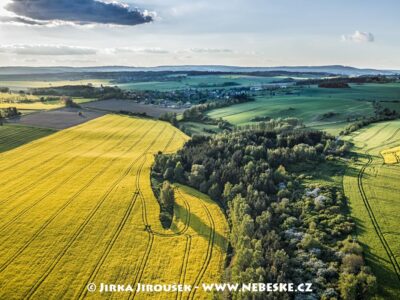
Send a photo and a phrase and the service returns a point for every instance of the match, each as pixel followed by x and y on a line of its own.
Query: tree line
pixel 282 229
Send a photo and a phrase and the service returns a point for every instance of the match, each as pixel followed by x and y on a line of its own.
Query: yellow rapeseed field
pixel 391 156
pixel 76 207
pixel 32 106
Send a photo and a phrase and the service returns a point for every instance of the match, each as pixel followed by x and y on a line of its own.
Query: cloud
pixel 210 50
pixel 359 37
pixel 20 20
pixel 137 50
pixel 46 50
pixel 44 12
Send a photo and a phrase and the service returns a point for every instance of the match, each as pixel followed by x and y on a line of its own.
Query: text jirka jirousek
pixel 207 287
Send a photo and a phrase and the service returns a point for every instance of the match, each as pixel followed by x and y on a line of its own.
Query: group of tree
pixel 197 112
pixel 69 102
pixel 282 229
pixel 334 85
pixel 381 113
pixel 344 81
pixel 170 117
pixel 9 112
pixel 85 91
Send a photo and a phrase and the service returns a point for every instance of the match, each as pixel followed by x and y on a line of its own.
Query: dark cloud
pixel 76 11
pixel 5 19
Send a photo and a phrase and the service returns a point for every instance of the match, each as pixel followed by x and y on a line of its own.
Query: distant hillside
pixel 334 69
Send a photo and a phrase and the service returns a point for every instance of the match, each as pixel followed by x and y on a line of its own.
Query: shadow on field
pixel 388 283
pixel 201 228
pixel 352 171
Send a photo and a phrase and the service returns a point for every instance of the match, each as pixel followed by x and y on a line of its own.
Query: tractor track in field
pixel 48 193
pixel 188 246
pixel 186 224
pixel 211 241
pixel 151 236
pixel 378 131
pixel 371 215
pixel 183 270
pixel 59 211
pixel 372 136
pixel 33 147
pixel 143 261
pixel 33 168
pixel 374 222
pixel 111 243
pixel 394 152
pixel 151 233
pixel 169 142
pixel 51 172
pixel 393 135
pixel 91 214
pixel 20 141
pixel 109 248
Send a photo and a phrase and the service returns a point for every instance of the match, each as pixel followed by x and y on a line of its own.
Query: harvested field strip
pixel 81 216
pixel 14 136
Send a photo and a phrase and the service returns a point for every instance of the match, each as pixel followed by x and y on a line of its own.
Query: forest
pixel 282 228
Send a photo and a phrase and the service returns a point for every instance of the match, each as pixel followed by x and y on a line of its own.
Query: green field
pixel 310 104
pixel 200 128
pixel 373 191
pixel 77 207
pixel 12 136
pixel 204 81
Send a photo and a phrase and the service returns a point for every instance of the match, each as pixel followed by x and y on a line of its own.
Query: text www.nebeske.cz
pixel 217 287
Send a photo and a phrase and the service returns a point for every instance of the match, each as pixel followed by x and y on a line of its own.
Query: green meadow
pixel 327 109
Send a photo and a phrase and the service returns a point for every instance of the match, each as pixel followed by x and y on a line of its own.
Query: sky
pixel 360 33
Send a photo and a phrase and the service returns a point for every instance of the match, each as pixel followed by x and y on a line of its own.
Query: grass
pixel 77 207
pixel 12 136
pixel 373 191
pixel 200 128
pixel 312 104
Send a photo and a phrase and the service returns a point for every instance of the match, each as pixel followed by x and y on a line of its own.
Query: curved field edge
pixel 373 192
pixel 77 207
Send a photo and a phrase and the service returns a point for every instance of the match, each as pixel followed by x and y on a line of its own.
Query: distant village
pixel 186 98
